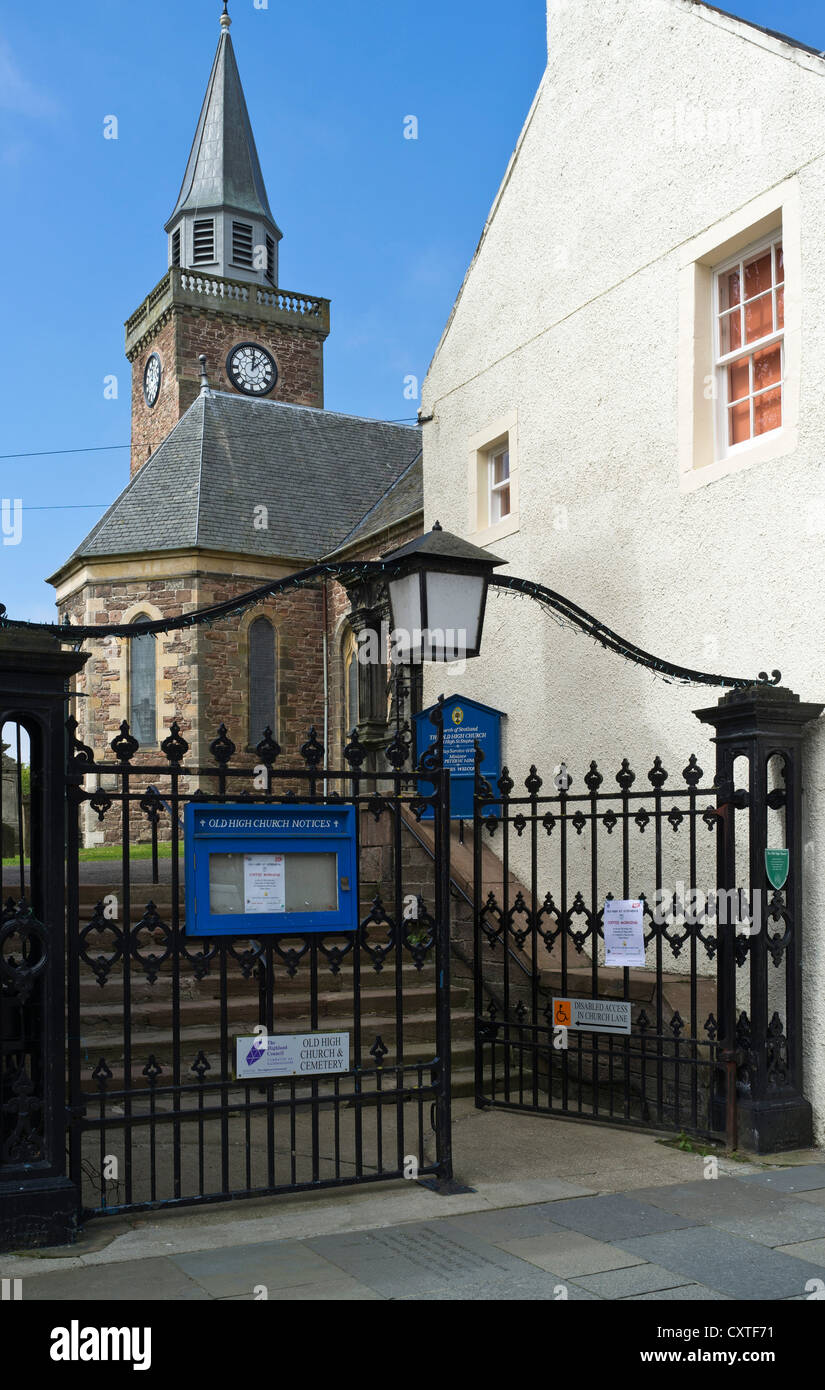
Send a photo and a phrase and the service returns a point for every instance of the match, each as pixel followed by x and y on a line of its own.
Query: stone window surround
pixel 501 431
pixel 699 463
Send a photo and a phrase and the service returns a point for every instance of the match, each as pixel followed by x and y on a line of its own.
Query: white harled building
pixel 627 402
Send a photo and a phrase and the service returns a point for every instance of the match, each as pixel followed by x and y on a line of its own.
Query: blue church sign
pixel 466 722
pixel 260 870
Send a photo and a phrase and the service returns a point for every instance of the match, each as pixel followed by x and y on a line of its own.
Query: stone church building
pixel 239 476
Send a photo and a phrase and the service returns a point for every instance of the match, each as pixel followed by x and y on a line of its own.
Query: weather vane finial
pixel 225 20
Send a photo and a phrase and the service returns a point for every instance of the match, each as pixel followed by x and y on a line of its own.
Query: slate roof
pixel 223 168
pixel 403 498
pixel 320 474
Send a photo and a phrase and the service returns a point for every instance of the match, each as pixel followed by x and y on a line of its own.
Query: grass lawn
pixel 100 852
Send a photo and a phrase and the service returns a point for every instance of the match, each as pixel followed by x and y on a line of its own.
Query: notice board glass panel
pixel 263 883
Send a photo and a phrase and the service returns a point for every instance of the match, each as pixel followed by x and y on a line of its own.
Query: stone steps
pixel 199 999
pixel 150 1022
pixel 285 987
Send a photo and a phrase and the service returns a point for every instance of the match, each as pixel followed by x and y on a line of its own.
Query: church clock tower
pixel 220 295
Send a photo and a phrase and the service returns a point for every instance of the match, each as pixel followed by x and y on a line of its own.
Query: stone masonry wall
pixel 202 676
pixel 224 681
pixel 103 685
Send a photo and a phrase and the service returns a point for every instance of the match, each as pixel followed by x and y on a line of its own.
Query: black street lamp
pixel 438 593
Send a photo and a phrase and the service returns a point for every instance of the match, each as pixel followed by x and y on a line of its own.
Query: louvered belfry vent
pixel 242 244
pixel 204 241
pixel 176 247
pixel 270 259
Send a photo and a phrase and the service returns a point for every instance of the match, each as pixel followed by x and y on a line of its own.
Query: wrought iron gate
pixel 156 1116
pixel 153 1111
pixel 539 938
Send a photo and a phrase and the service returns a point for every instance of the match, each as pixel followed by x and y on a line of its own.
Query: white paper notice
pixel 263 883
pixel 624 933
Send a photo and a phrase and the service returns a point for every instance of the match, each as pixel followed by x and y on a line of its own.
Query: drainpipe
pixel 326 685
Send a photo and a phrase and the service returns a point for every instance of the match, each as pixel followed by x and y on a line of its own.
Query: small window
pixel 176 247
pixel 749 346
pixel 142 686
pixel 242 244
pixel 270 259
pixel 203 249
pixel 499 484
pixel 493 480
pixel 262 691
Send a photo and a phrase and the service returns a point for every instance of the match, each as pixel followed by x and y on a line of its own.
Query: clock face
pixel 251 369
pixel 151 380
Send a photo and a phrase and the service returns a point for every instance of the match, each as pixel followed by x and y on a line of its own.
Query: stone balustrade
pixel 197 288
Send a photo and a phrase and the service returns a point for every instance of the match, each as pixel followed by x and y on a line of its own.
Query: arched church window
pixel 349 652
pixel 262 684
pixel 142 685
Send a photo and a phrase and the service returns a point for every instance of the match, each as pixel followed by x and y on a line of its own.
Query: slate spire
pixel 224 186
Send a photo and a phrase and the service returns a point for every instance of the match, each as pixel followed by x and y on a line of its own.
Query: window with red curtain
pixel 750 350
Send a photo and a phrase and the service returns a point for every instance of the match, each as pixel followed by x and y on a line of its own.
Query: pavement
pixel 558 1210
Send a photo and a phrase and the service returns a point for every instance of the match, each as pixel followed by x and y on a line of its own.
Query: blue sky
pixel 382 226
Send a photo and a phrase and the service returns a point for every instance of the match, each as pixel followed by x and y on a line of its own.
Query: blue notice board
pixel 466 722
pixel 261 870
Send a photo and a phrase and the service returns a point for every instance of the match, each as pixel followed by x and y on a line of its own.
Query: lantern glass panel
pixel 405 600
pixel 454 605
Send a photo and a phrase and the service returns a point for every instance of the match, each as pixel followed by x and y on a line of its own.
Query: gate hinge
pixel 729 795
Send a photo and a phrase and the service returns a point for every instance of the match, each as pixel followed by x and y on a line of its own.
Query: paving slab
pixel 789 1179
pixel 811 1250
pixel 155 1281
pixel 615 1216
pixel 633 1279
pixel 815 1198
pixel 413 1260
pixel 741 1268
pixel 712 1198
pixel 689 1293
pixel 508 1222
pixel 741 1207
pixel 537 1286
pixel 243 1268
pixel 340 1290
pixel 569 1254
pixel 791 1222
